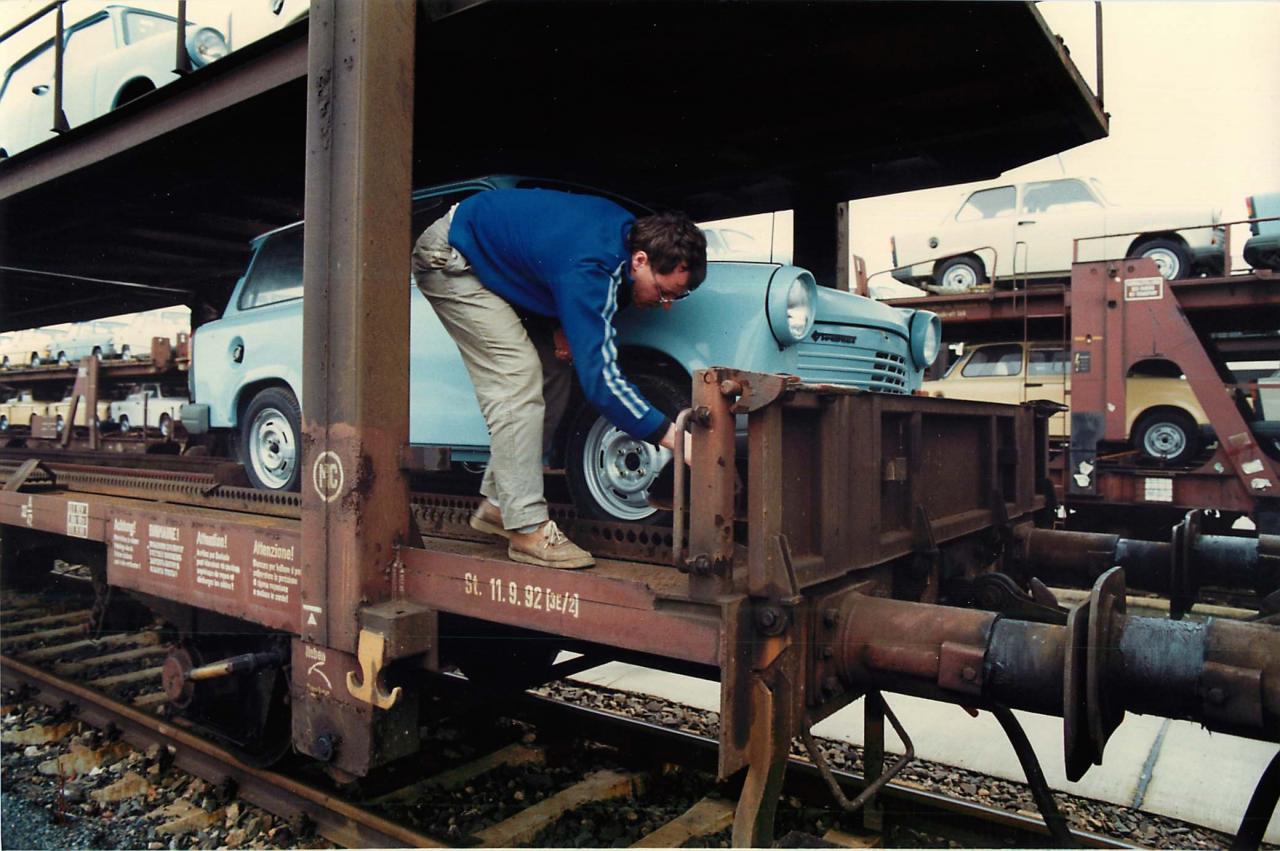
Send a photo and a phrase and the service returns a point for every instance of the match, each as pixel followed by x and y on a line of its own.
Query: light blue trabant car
pixel 246 374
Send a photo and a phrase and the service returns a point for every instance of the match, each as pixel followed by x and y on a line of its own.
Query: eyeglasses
pixel 665 299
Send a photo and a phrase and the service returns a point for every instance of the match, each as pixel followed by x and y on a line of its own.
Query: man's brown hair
pixel 670 240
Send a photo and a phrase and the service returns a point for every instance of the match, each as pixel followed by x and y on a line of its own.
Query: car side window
pixel 86 43
pixel 276 275
pixel 1057 196
pixel 988 204
pixel 1047 362
pixel 994 362
pixel 140 25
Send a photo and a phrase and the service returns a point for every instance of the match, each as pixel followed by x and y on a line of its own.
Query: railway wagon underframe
pixel 829 585
pixel 863 514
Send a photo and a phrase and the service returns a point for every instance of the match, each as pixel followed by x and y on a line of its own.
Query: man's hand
pixel 562 346
pixel 669 441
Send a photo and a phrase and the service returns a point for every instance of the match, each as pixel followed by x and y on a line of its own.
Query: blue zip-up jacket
pixel 561 255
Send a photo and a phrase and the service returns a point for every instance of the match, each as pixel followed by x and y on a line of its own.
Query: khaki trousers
pixel 521 387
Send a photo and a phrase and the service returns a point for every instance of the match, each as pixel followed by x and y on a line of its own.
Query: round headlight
pixel 205 45
pixel 926 337
pixel 793 307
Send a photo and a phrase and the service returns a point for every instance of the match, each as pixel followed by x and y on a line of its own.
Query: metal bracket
pixel 755 390
pixel 19 476
pixel 1232 694
pixel 372 654
pixel 1182 579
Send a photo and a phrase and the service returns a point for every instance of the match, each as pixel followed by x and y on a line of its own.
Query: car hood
pixel 833 305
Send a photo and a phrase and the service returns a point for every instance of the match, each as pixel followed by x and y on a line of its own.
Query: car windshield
pixel 140 25
pixel 988 204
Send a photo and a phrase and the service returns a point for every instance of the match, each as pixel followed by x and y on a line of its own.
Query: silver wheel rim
pixel 165 424
pixel 4 423
pixel 124 425
pixel 1164 440
pixel 273 448
pixel 58 423
pixel 960 278
pixel 620 469
pixel 1166 261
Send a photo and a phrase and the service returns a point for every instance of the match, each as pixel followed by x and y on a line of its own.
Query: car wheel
pixel 4 423
pixel 1166 435
pixel 124 424
pixel 609 471
pixel 270 440
pixel 58 423
pixel 166 425
pixel 35 359
pixel 126 352
pixel 959 274
pixel 97 353
pixel 62 359
pixel 4 362
pixel 1170 256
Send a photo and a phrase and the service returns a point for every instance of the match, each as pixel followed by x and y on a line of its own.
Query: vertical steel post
pixel 873 756
pixel 60 123
pixel 182 59
pixel 360 79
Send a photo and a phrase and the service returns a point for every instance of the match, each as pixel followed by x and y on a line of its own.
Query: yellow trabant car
pixel 18 411
pixel 60 410
pixel 1162 416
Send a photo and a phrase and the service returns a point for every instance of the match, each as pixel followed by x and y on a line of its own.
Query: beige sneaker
pixel 547 546
pixel 488 518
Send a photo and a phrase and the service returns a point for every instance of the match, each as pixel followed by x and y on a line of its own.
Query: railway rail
pixel 45 661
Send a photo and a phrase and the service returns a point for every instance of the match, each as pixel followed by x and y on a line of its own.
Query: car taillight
pixel 1253 214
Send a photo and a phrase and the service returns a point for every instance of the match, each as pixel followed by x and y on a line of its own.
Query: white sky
pixel 1193 89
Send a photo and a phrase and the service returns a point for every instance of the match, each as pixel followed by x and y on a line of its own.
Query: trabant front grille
pixel 834 354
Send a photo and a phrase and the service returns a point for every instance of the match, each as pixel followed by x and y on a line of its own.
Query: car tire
pixel 271 440
pixel 4 423
pixel 166 425
pixel 62 359
pixel 959 274
pixel 609 472
pixel 59 423
pixel 1170 256
pixel 124 424
pixel 1167 435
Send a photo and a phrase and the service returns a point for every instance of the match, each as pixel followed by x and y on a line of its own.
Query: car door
pixel 1051 215
pixel 1048 378
pixel 26 103
pixel 985 222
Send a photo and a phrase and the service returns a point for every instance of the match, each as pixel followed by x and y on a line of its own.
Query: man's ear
pixel 639 259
